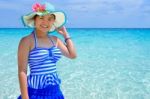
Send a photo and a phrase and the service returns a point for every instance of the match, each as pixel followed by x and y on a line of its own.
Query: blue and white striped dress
pixel 43 81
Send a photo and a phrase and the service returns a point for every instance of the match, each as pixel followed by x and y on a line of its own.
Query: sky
pixel 83 13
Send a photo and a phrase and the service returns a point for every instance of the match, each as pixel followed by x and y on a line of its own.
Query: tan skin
pixel 42 25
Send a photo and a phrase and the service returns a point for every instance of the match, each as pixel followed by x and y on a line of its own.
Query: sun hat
pixel 43 9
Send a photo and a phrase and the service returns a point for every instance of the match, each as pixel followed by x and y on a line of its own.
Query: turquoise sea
pixel 110 64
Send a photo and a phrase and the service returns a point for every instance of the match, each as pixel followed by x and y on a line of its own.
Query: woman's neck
pixel 40 34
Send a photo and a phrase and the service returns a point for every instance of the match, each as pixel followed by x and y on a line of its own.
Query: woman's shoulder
pixel 26 40
pixel 55 38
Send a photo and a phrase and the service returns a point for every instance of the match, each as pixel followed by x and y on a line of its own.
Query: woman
pixel 42 51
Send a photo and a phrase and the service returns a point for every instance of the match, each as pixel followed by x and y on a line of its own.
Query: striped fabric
pixel 42 63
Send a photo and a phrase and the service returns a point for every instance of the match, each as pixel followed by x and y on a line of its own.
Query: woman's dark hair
pixel 50 14
pixel 54 16
pixel 35 17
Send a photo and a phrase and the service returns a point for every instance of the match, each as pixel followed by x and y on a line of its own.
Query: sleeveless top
pixel 42 63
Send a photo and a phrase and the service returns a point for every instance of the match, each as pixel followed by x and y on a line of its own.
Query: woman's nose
pixel 44 21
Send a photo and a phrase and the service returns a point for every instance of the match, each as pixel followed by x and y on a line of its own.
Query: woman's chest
pixel 52 53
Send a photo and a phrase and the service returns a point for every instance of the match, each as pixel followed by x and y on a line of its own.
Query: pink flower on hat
pixel 38 7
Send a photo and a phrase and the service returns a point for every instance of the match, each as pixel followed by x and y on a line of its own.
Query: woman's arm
pixel 23 50
pixel 67 49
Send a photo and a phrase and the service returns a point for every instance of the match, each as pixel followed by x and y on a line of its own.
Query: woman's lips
pixel 44 26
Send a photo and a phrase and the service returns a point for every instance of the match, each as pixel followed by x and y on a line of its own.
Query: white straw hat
pixel 44 9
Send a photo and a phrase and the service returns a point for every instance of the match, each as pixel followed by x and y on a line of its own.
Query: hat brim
pixel 60 20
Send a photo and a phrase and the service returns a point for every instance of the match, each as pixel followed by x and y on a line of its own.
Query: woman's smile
pixel 44 26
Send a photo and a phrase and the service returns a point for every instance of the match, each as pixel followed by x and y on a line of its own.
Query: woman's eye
pixel 49 19
pixel 41 17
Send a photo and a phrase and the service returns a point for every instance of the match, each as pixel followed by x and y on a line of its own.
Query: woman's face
pixel 44 23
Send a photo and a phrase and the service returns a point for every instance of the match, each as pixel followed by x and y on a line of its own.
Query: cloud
pixel 111 13
pixel 106 6
pixel 101 6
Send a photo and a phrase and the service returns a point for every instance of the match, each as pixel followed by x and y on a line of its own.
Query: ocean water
pixel 110 64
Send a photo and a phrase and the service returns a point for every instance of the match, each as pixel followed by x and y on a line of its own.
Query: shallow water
pixel 111 64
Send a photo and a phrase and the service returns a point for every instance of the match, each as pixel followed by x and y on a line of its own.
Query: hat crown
pixel 43 7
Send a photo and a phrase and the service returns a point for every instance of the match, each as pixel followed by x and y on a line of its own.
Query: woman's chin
pixel 44 29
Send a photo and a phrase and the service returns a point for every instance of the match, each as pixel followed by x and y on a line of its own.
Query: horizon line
pixel 86 28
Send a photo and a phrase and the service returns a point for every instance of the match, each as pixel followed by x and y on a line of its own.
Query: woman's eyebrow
pixel 50 17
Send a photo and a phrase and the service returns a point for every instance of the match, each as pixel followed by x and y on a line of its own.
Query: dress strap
pixel 51 40
pixel 35 39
